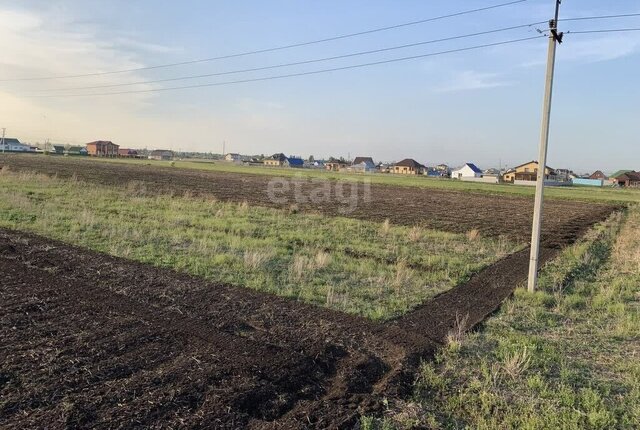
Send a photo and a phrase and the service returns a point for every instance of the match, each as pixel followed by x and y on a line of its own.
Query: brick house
pixel 528 172
pixel 627 179
pixel 102 148
pixel 598 175
pixel 276 160
pixel 408 166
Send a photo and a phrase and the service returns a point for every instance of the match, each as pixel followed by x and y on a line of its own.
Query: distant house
pixel 252 161
pixel 408 166
pixel 363 164
pixel 384 167
pixel 335 165
pixel 527 172
pixel 564 175
pixel 432 172
pixel 13 145
pixel 276 160
pixel 76 150
pixel 295 162
pixel 598 175
pixel 444 170
pixel 469 170
pixel 127 153
pixel 102 148
pixel 613 176
pixel 628 178
pixel 161 155
pixel 58 149
pixel 491 172
pixel 233 157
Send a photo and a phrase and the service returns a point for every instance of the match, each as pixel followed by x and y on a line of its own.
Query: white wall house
pixel 233 157
pixel 14 145
pixel 469 170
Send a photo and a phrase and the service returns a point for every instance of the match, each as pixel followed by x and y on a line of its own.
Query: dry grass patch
pixel 256 259
pixel 473 235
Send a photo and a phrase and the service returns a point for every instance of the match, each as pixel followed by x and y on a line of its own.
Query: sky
pixel 482 106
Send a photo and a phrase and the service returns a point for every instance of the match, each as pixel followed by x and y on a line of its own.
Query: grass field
pixel 606 194
pixel 372 269
pixel 564 357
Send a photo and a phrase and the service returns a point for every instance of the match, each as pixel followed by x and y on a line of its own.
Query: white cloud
pixel 581 48
pixel 33 45
pixel 601 48
pixel 471 80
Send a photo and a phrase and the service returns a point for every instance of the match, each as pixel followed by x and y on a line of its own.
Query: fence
pixel 588 182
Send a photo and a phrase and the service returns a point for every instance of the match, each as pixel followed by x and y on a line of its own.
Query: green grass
pixel 605 194
pixel 371 269
pixel 564 357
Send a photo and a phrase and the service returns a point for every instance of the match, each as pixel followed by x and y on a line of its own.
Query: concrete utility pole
pixel 224 144
pixel 554 39
pixel 3 131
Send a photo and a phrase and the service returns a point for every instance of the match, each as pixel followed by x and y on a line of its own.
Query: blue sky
pixel 482 106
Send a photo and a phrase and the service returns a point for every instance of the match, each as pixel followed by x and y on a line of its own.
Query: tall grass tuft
pixel 455 336
pixel 255 259
pixel 515 363
pixel 322 260
pixel 385 228
pixel 415 234
pixel 473 235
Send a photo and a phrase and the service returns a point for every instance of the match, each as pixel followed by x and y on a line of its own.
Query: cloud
pixel 602 48
pixel 469 80
pixel 34 45
pixel 130 43
pixel 584 48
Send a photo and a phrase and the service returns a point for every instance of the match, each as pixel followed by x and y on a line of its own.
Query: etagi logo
pixel 347 194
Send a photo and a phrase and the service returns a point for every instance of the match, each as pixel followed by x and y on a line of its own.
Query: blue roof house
pixel 295 162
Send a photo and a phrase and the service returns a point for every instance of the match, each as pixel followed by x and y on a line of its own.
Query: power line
pixel 188 77
pixel 313 72
pixel 612 30
pixel 277 48
pixel 298 63
pixel 587 18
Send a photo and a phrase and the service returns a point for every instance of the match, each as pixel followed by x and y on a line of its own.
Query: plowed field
pixel 90 340
pixel 437 209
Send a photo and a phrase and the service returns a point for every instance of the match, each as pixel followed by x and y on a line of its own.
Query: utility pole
pixel 3 131
pixel 555 38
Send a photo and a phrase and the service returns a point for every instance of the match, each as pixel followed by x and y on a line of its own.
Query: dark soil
pixel 90 340
pixel 444 210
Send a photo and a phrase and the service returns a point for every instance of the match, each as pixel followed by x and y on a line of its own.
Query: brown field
pixel 437 209
pixel 89 340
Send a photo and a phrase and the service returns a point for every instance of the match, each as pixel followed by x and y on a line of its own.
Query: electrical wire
pixel 298 63
pixel 313 72
pixel 277 48
pixel 611 30
pixel 588 18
